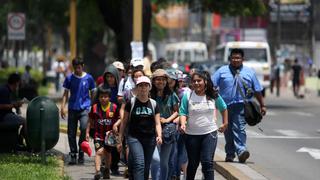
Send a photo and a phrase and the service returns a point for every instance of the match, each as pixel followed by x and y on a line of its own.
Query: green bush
pixel 35 74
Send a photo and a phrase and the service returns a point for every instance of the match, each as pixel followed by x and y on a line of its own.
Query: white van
pixel 184 53
pixel 256 55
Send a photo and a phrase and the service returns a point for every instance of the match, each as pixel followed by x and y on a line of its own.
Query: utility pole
pixel 136 44
pixel 73 28
pixel 137 20
pixel 278 25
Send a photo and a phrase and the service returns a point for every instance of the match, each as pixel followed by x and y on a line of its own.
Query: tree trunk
pixel 118 15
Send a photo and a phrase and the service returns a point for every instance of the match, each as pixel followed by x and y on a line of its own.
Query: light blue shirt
pixel 227 83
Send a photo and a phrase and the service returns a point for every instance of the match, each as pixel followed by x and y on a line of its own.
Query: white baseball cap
pixel 143 79
pixel 136 62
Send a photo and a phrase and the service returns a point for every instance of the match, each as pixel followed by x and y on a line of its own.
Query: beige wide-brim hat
pixel 118 65
pixel 159 73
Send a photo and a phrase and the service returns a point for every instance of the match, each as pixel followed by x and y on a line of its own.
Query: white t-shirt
pixel 59 66
pixel 129 84
pixel 202 115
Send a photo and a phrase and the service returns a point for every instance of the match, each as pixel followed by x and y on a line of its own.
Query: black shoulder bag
pixel 252 112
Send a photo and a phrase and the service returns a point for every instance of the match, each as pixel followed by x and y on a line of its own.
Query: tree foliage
pixel 224 7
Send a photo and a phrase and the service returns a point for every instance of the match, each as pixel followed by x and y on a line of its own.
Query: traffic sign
pixel 16 26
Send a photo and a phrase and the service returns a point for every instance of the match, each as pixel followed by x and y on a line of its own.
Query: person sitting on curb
pixel 7 104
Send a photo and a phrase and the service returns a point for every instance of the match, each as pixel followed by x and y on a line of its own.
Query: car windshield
pixel 254 54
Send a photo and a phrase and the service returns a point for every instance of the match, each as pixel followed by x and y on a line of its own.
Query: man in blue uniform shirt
pixel 228 78
pixel 80 86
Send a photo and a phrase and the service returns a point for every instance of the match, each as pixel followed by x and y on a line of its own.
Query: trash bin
pixel 50 120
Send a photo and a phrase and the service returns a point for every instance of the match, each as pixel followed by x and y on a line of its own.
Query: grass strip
pixel 29 167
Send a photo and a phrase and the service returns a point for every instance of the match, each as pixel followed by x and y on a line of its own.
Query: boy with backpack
pixel 103 116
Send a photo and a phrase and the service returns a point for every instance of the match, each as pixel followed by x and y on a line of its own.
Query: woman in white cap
pixel 142 123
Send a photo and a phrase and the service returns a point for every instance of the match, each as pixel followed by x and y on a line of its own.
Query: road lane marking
pixel 315 153
pixel 284 137
pixel 271 113
pixel 288 132
pixel 253 133
pixel 303 114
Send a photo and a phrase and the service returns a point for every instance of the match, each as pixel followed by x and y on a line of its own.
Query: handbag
pixel 169 133
pixel 111 139
pixel 252 112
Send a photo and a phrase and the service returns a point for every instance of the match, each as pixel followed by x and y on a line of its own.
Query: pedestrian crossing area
pixel 255 133
pixel 297 113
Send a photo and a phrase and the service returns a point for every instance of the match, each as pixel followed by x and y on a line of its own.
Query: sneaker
pixel 174 177
pixel 73 159
pixel 229 159
pixel 97 176
pixel 106 173
pixel 81 158
pixel 126 173
pixel 244 156
pixel 115 172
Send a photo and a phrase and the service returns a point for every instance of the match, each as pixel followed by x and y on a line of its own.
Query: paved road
pixel 289 145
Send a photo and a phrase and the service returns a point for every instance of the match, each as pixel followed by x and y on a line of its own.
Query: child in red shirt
pixel 103 116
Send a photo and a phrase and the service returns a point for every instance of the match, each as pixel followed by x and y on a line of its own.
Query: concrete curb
pixel 235 170
pixel 61 159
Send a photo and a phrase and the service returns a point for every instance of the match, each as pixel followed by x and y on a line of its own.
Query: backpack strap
pixel 153 105
pixel 124 82
pixel 133 101
pixel 152 101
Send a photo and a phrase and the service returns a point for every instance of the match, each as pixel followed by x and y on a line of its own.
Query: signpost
pixel 16 26
pixel 16 23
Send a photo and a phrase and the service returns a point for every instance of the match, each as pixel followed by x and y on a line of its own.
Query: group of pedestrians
pixel 166 122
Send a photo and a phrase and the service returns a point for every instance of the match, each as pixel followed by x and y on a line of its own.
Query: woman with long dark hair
pixel 168 104
pixel 198 122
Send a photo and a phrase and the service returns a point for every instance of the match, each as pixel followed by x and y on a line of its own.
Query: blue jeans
pixel 164 152
pixel 73 118
pixel 140 153
pixel 155 165
pixel 201 148
pixel 235 135
pixel 178 156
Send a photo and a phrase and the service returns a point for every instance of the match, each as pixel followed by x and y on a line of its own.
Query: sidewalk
pixel 86 171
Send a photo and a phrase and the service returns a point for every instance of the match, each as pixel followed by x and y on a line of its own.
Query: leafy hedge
pixel 35 74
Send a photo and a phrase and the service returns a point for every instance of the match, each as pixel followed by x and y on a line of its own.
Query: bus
pixel 183 54
pixel 256 55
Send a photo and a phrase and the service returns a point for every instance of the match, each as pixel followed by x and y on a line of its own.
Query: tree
pixel 118 16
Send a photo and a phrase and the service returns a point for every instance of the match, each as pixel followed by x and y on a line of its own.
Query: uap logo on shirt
pixel 143 111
